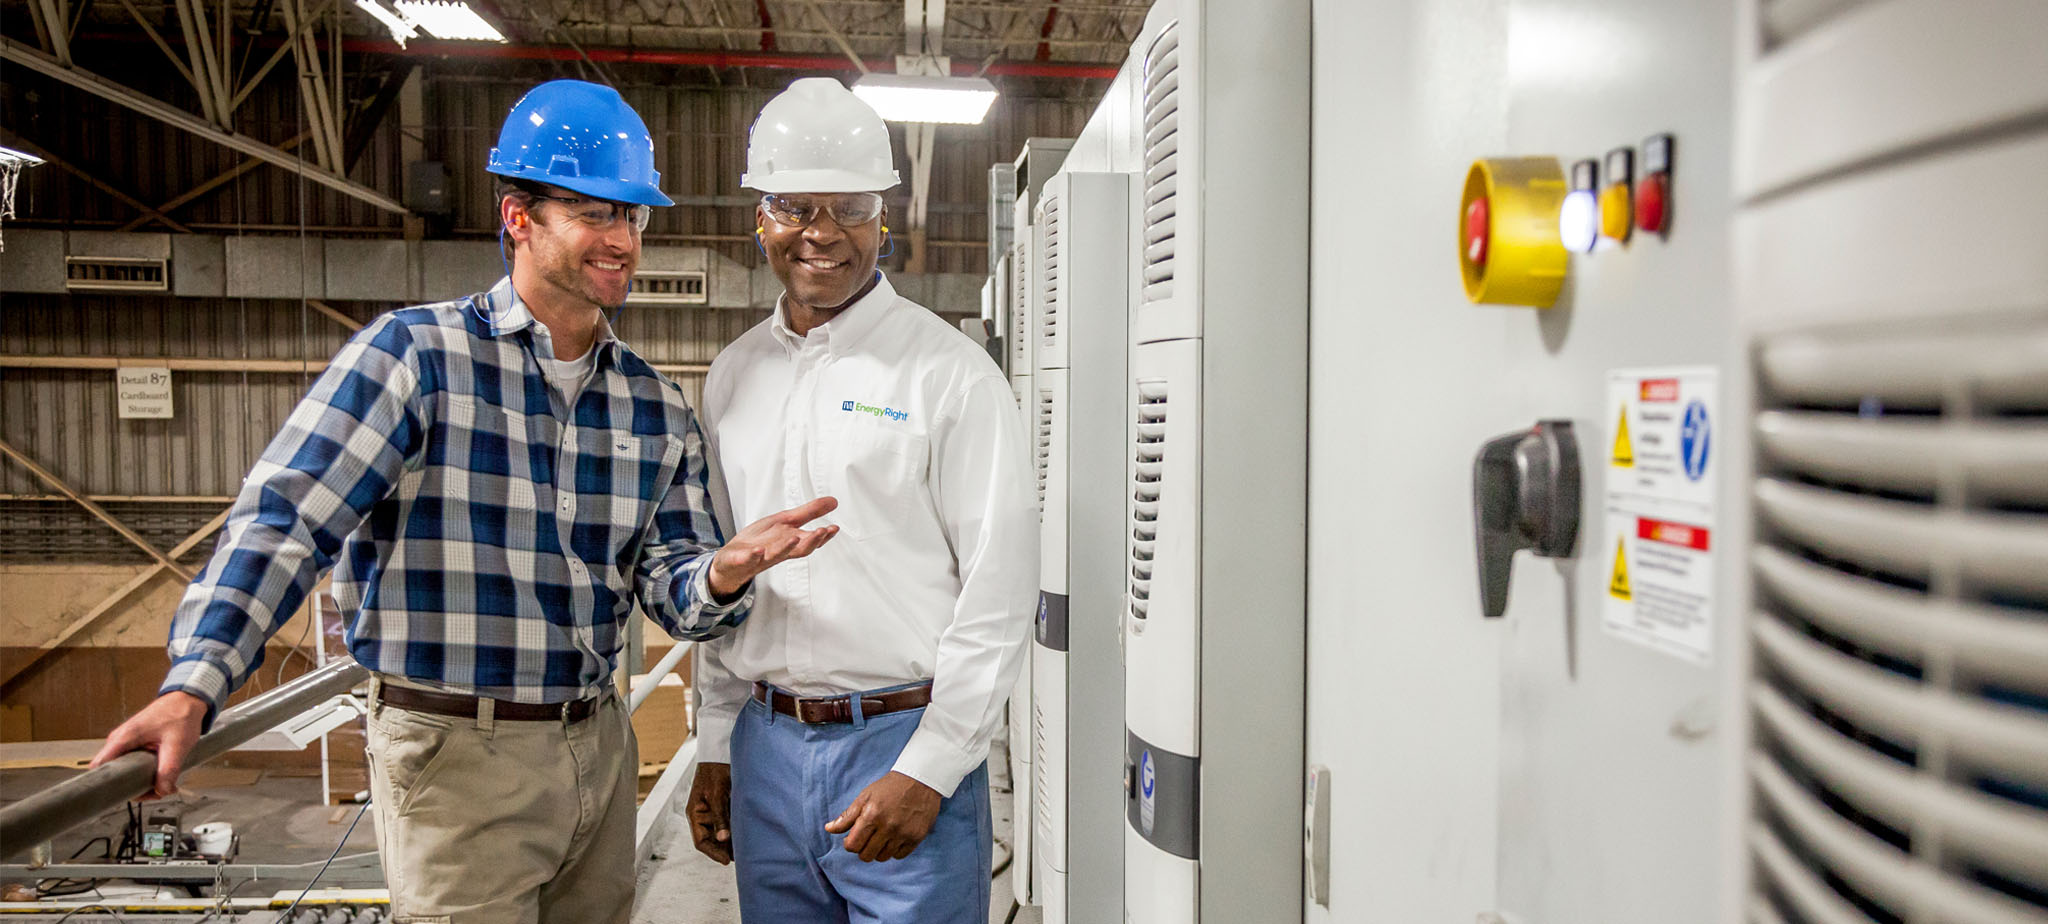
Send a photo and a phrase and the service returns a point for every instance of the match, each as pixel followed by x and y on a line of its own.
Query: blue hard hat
pixel 582 137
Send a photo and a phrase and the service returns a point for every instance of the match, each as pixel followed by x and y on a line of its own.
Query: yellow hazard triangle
pixel 1617 586
pixel 1624 448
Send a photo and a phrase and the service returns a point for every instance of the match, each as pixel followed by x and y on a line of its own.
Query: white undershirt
pixel 568 376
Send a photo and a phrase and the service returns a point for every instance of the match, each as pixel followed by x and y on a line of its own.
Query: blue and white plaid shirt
pixel 488 539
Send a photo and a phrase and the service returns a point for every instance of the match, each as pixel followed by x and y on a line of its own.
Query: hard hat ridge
pixel 582 137
pixel 817 137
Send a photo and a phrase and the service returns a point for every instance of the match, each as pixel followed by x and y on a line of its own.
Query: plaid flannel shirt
pixel 489 539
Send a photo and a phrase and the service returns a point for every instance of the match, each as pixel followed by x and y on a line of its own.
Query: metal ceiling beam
pixel 177 118
pixel 717 59
pixel 148 214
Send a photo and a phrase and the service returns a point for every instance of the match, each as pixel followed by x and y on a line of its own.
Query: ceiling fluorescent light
pixel 401 31
pixel 444 20
pixel 908 98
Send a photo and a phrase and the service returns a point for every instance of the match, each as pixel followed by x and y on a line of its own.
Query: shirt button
pixel 568 504
pixel 576 565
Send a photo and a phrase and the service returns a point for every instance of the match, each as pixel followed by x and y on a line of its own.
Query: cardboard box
pixel 663 720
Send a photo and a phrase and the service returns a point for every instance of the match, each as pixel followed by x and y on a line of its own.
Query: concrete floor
pixel 682 887
pixel 279 819
pixel 686 887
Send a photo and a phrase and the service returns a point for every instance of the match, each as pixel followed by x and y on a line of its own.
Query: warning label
pixel 1660 510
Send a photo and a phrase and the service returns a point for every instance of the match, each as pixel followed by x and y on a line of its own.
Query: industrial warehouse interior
pixel 1079 461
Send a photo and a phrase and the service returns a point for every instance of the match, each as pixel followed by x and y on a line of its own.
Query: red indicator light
pixel 1652 197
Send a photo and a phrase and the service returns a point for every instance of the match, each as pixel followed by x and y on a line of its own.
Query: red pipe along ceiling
pixel 716 59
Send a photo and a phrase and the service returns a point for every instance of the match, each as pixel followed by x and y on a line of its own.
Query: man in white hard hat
pixel 845 727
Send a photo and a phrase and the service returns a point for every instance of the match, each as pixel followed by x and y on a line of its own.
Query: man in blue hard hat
pixel 497 482
pixel 845 729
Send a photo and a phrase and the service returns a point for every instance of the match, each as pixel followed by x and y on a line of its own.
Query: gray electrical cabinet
pixel 1077 414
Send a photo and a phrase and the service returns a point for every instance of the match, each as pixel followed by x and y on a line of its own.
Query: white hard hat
pixel 817 137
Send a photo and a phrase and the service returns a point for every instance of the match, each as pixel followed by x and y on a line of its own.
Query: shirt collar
pixel 847 328
pixel 509 315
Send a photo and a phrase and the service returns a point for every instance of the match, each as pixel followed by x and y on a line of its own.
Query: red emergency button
pixel 1478 229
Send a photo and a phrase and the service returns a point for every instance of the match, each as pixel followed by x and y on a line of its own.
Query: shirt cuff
pixel 700 586
pixel 936 763
pixel 714 740
pixel 202 678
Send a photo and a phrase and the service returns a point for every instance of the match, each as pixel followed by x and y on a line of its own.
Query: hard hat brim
pixel 594 186
pixel 820 181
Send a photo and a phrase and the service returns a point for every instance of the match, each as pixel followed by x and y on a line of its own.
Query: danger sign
pixel 1660 482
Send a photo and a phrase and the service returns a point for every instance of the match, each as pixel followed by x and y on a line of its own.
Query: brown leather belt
pixel 828 710
pixel 455 704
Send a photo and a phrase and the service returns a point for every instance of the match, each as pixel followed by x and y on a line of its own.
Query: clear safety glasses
pixel 600 213
pixel 847 209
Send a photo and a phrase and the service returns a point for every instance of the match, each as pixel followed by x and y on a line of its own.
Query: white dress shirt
pixel 934 573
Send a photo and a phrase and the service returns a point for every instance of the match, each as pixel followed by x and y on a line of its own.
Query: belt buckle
pixel 805 714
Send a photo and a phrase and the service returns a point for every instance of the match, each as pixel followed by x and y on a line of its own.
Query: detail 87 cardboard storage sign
pixel 1660 542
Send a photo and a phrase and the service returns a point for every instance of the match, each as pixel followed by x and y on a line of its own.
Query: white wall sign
pixel 143 391
pixel 1660 545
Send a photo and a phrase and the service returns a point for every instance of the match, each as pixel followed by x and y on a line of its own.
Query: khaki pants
pixel 504 821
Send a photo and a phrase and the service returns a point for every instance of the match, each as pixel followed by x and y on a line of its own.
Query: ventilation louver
pixel 1049 257
pixel 668 287
pixel 116 274
pixel 1044 445
pixel 1020 317
pixel 1899 763
pixel 1150 455
pixel 1041 788
pixel 1162 148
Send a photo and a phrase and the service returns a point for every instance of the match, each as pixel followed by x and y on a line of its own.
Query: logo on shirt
pixel 869 409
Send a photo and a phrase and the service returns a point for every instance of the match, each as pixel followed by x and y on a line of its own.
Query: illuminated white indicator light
pixel 1578 219
pixel 911 98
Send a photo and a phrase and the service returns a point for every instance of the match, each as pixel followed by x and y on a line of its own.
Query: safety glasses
pixel 848 210
pixel 600 213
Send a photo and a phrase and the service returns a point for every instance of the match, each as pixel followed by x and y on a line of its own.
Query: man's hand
pixel 169 726
pixel 767 542
pixel 888 819
pixel 710 811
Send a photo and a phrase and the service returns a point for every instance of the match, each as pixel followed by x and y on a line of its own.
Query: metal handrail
pixel 661 668
pixel 33 821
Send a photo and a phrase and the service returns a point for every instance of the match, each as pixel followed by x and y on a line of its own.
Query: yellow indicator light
pixel 1522 261
pixel 1617 204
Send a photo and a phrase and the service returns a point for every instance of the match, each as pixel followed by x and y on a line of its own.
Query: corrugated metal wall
pixel 65 419
pixel 700 149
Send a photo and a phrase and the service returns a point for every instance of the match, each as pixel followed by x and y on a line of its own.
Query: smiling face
pixel 823 266
pixel 568 258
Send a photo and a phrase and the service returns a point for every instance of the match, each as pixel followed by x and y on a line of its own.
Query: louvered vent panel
pixel 668 287
pixel 1020 313
pixel 1044 445
pixel 1899 766
pixel 1041 788
pixel 1162 161
pixel 1049 283
pixel 1150 453
pixel 116 274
